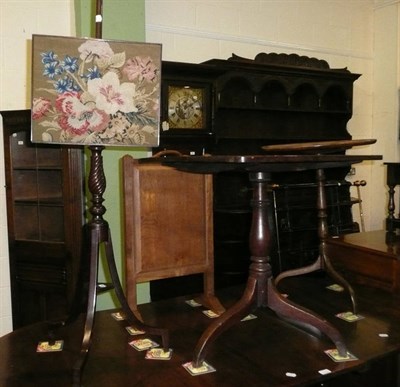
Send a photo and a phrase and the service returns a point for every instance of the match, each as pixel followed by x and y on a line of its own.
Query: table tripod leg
pixel 339 278
pixel 260 269
pixel 316 265
pixel 229 318
pixel 323 233
pixel 287 309
pixel 323 261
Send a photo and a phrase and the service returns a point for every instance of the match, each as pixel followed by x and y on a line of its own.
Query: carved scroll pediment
pixel 283 60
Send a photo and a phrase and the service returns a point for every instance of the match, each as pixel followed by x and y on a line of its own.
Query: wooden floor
pixel 258 352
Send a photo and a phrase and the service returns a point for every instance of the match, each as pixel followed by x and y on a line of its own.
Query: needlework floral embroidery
pixel 92 91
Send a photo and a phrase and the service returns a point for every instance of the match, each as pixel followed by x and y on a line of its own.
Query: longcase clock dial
pixel 185 107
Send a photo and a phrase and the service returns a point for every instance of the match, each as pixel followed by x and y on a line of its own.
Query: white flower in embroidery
pixel 111 96
pixel 95 49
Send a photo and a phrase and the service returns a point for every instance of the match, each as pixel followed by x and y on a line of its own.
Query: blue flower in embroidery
pixel 52 69
pixel 92 73
pixel 70 63
pixel 65 84
pixel 49 57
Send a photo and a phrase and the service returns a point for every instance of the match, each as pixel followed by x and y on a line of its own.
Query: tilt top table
pixel 322 262
pixel 260 290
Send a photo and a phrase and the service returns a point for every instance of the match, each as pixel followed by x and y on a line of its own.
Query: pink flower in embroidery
pixel 95 49
pixel 142 68
pixel 40 106
pixel 110 95
pixel 77 118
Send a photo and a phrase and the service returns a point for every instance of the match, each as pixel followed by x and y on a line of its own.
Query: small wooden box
pixel 368 258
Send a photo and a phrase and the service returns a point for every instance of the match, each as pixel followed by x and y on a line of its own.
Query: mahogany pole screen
pixel 99 19
pixel 97 93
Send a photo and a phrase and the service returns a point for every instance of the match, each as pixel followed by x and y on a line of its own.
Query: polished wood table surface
pixel 370 257
pixel 257 352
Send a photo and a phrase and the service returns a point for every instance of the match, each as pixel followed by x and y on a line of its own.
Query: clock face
pixel 185 107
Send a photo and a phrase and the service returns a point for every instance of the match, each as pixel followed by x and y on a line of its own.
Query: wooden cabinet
pixel 270 100
pixel 44 190
pixel 273 99
pixel 256 100
pixel 368 258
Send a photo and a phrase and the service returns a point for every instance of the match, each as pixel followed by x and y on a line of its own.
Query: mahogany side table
pixel 260 289
pixel 322 262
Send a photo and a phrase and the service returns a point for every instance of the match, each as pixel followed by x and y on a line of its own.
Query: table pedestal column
pixel 260 289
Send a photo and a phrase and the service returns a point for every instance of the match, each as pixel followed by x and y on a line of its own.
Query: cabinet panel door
pixel 45 218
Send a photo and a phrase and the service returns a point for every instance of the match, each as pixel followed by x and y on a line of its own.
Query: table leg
pixel 260 270
pixel 303 317
pixel 323 261
pixel 260 289
pixel 229 318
